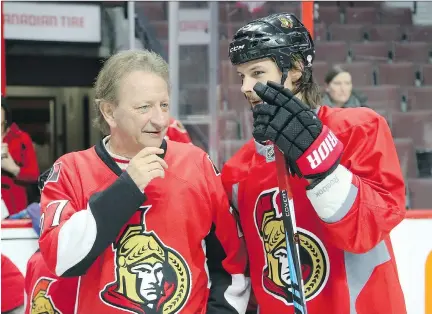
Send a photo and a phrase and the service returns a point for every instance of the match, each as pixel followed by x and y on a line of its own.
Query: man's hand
pixel 7 162
pixel 146 166
pixel 311 149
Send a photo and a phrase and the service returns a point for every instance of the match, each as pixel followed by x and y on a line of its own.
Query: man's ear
pixel 107 110
pixel 297 71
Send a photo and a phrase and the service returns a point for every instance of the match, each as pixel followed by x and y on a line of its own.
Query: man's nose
pixel 248 85
pixel 159 116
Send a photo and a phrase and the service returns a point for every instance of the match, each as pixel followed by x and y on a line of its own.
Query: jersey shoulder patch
pixel 51 175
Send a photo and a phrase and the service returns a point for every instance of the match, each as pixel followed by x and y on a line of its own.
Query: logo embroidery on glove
pixel 323 151
pixel 270 155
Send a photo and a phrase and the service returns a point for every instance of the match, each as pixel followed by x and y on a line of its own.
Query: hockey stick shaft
pixel 291 235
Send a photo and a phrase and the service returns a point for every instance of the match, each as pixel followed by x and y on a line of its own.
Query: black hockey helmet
pixel 276 36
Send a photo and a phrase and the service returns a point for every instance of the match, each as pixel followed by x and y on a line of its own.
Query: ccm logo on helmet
pixel 236 48
pixel 323 151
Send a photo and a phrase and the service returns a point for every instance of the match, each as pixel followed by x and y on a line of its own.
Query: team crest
pixel 151 278
pixel 276 274
pixel 41 302
pixel 286 22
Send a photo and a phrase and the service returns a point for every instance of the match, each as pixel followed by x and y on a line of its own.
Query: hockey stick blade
pixel 291 235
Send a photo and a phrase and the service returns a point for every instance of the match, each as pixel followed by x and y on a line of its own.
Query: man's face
pixel 340 88
pixel 262 70
pixel 142 114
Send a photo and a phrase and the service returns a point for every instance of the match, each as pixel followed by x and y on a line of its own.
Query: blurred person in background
pixel 339 90
pixel 19 166
pixel 134 215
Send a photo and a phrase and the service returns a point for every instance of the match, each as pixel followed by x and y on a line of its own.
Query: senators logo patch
pixel 286 22
pixel 276 279
pixel 41 302
pixel 151 278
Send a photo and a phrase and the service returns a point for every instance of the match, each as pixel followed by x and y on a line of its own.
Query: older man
pixel 143 221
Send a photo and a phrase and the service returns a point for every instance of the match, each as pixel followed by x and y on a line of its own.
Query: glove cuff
pixel 322 156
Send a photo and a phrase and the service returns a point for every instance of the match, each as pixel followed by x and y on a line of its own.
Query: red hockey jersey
pixel 12 285
pixel 174 249
pixel 47 293
pixel 177 132
pixel 344 222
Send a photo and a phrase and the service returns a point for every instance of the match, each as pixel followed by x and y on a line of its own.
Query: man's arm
pixel 226 252
pixel 360 199
pixel 364 198
pixel 75 233
pixel 29 169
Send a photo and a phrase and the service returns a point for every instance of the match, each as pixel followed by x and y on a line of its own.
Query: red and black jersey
pixel 173 249
pixel 344 222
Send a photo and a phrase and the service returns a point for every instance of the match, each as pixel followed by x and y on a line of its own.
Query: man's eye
pixel 165 105
pixel 144 107
pixel 257 73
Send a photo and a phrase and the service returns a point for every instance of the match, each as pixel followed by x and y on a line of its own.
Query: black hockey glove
pixel 311 150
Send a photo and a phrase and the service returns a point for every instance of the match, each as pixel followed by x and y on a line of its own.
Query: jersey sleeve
pixel 364 198
pixel 235 170
pixel 226 252
pixel 75 228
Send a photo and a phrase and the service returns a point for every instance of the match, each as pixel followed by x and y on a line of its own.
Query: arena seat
pixel 390 73
pixel 419 98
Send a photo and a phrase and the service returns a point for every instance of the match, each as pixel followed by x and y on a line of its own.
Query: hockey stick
pixel 292 237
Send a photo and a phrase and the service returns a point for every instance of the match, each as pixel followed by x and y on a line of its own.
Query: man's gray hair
pixel 115 69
